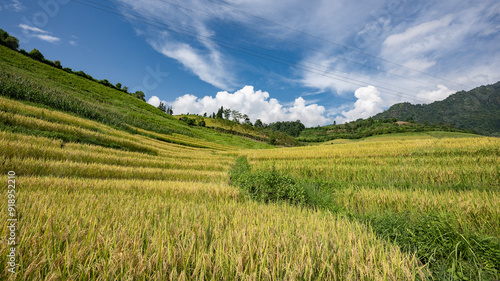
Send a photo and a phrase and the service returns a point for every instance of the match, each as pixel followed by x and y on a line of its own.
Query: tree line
pixel 363 128
pixel 13 43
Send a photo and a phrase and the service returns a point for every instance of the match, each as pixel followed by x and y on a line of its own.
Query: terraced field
pixel 436 197
pixel 153 209
pixel 110 188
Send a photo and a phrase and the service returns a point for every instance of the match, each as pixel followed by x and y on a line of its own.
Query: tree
pixel 220 112
pixel 8 41
pixel 227 113
pixel 258 124
pixel 140 95
pixel 118 86
pixel 236 116
pixel 247 119
pixel 162 107
pixel 57 64
pixel 105 82
pixel 290 128
pixel 125 89
pixel 170 111
pixel 37 55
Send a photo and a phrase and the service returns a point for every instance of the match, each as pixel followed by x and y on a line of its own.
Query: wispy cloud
pixel 48 38
pixel 27 28
pixel 14 5
pixel 206 64
pixel 35 32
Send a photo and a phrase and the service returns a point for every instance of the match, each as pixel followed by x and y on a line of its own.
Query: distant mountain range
pixel 477 110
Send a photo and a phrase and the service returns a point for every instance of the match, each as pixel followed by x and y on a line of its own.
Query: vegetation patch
pixel 449 253
pixel 270 185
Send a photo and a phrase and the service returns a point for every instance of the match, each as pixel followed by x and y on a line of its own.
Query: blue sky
pixel 316 61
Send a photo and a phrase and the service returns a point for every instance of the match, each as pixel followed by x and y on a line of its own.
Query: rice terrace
pixel 99 184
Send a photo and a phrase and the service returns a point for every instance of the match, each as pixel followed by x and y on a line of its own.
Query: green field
pixel 110 188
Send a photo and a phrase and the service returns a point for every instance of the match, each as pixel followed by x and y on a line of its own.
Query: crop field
pixel 151 209
pixel 436 197
pixel 107 187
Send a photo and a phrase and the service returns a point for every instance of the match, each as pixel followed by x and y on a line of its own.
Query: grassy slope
pixel 117 106
pixel 228 126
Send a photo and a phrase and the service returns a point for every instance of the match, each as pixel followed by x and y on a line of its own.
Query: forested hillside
pixel 477 110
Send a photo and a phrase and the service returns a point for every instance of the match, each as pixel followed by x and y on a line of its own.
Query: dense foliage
pixel 369 127
pixel 28 80
pixel 292 128
pixel 9 41
pixel 477 110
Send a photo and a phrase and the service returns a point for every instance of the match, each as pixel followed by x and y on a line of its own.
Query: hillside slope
pixel 477 110
pixel 27 80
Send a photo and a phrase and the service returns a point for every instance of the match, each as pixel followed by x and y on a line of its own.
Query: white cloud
pixel 48 38
pixel 368 104
pixel 416 33
pixel 35 32
pixel 27 28
pixel 208 67
pixel 155 101
pixel 74 41
pixel 440 94
pixel 15 5
pixel 256 104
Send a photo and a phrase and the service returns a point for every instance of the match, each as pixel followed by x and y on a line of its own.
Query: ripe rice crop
pixel 57 151
pixel 31 166
pixel 167 230
pixel 435 164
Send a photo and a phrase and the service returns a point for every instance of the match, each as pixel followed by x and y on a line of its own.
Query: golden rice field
pixel 160 207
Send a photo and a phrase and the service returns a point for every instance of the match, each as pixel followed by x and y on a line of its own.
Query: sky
pixel 318 61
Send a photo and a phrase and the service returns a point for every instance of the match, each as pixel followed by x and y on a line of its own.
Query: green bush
pixel 272 186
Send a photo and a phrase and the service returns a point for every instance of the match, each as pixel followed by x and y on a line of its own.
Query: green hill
pixel 25 79
pixel 477 110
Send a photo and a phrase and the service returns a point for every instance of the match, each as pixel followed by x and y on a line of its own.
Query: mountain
pixel 477 110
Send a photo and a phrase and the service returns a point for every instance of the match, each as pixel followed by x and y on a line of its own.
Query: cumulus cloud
pixel 440 94
pixel 155 101
pixel 368 104
pixel 256 104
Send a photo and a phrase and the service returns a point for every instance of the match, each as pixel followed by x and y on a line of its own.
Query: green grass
pixel 27 80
